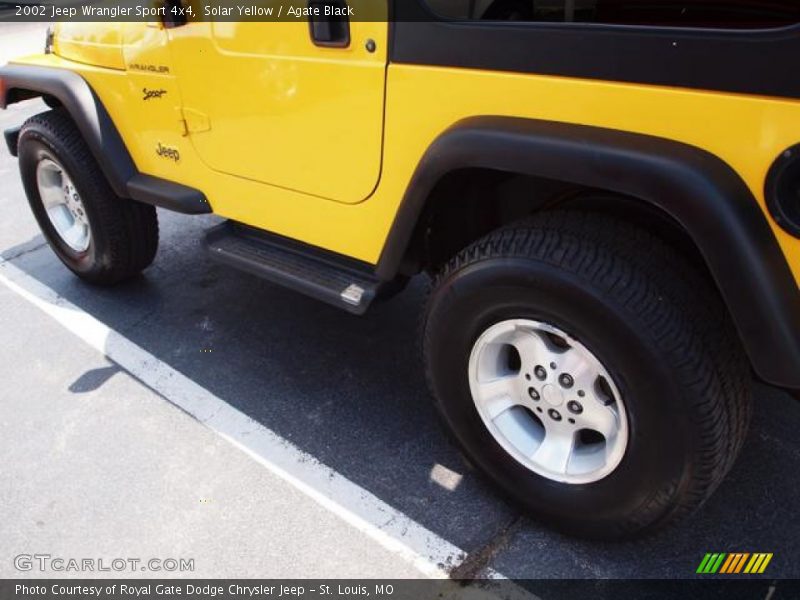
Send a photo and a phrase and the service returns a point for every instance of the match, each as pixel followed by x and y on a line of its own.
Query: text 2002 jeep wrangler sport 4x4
pixel 606 193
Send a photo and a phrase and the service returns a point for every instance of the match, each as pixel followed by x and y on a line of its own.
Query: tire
pixel 116 237
pixel 675 380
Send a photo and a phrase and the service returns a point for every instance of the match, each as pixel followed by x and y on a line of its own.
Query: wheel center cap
pixel 552 395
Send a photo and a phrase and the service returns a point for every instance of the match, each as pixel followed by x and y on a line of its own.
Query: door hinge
pixel 193 121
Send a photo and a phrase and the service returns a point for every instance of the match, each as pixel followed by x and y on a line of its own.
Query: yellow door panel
pixel 281 110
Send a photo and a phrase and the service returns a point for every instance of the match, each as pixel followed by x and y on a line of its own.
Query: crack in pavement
pixel 479 560
pixel 24 251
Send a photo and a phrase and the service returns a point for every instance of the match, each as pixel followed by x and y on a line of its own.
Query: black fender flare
pixel 20 82
pixel 697 189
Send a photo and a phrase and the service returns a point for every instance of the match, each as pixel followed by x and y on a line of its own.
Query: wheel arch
pixel 73 93
pixel 727 227
pixel 77 97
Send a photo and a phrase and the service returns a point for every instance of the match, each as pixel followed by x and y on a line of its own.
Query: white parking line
pixel 431 554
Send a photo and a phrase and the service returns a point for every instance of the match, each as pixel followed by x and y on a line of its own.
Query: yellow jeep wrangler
pixel 606 194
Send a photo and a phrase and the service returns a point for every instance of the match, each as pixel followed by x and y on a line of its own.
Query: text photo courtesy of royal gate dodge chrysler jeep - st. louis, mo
pixel 400 298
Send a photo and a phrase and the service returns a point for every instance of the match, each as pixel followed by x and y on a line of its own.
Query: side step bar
pixel 334 279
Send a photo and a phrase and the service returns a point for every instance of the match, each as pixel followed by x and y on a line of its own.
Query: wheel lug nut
pixel 566 380
pixel 533 394
pixel 554 414
pixel 574 407
pixel 540 373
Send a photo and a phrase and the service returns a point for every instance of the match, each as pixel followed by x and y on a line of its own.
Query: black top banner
pixel 689 14
pixel 181 11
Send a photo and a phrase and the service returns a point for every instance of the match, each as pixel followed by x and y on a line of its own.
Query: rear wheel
pixel 589 371
pixel 100 236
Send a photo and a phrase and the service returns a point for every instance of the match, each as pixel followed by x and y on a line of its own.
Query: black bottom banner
pixel 395 589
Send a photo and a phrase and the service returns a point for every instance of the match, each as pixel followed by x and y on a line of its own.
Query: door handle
pixel 329 25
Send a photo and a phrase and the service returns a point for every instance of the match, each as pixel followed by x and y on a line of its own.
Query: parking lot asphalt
pixel 346 390
pixel 77 485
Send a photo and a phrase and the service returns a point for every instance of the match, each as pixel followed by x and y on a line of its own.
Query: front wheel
pixel 98 235
pixel 589 372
